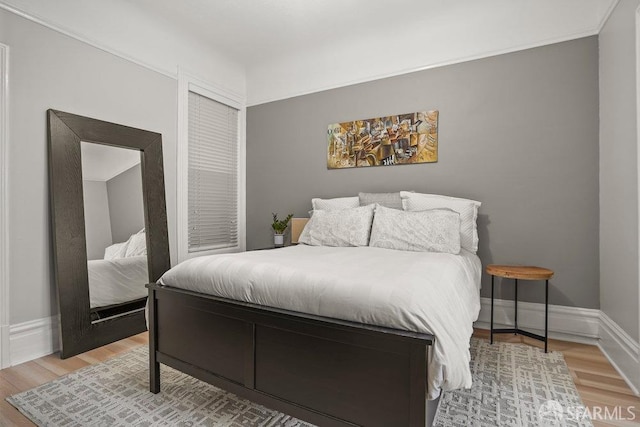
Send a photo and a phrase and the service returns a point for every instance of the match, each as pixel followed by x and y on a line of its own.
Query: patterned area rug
pixel 513 385
pixel 116 393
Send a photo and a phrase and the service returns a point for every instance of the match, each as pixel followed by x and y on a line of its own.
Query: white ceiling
pixel 252 32
pixel 412 35
pixel 103 162
pixel 256 31
pixel 271 49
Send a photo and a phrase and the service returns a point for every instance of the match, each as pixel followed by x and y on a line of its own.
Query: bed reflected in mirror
pixel 114 228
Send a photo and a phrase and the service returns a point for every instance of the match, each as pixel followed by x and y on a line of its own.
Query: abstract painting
pixel 384 141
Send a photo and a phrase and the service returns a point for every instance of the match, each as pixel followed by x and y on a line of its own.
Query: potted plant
pixel 279 227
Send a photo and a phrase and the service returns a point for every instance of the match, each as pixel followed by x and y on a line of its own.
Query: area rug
pixel 116 393
pixel 514 385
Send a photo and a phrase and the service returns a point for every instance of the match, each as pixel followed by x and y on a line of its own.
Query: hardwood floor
pixel 597 381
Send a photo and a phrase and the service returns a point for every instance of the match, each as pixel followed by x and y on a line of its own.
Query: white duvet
pixel 117 280
pixel 417 291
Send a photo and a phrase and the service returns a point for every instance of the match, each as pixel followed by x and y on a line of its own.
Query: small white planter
pixel 278 240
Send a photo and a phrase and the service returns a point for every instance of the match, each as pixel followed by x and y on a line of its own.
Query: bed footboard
pixel 325 371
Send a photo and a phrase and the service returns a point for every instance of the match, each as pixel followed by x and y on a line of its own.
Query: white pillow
pixel 115 251
pixel 137 245
pixel 435 230
pixel 337 203
pixel 389 200
pixel 468 210
pixel 342 227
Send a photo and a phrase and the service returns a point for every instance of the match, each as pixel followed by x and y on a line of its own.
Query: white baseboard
pixel 33 339
pixel 572 324
pixel 622 351
pixel 5 357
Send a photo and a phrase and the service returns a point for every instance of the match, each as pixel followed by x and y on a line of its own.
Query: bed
pixel 116 281
pixel 117 287
pixel 337 336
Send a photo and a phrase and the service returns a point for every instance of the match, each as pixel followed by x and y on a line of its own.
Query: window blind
pixel 212 174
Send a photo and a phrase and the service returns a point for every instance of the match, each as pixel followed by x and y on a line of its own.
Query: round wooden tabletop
pixel 521 272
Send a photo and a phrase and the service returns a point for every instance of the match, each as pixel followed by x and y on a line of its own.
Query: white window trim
pixel 186 83
pixel 5 358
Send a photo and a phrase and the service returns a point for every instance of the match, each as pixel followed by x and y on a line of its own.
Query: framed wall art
pixel 384 141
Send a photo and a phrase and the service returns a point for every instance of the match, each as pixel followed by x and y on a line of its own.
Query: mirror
pixel 114 230
pixel 109 227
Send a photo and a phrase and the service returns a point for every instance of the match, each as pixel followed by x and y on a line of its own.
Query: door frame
pixel 638 136
pixel 5 359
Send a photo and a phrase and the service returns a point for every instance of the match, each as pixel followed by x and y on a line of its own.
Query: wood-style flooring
pixel 597 381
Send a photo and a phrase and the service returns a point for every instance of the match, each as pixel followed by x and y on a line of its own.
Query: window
pixel 212 174
pixel 211 193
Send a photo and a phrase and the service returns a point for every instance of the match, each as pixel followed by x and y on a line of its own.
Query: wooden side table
pixel 522 273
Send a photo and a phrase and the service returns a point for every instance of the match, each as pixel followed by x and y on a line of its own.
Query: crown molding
pixel 67 32
pixel 607 15
pixel 459 60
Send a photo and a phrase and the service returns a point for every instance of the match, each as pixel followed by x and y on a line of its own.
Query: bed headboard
pixel 297 224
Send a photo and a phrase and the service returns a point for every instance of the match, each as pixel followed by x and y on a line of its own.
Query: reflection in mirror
pixel 114 227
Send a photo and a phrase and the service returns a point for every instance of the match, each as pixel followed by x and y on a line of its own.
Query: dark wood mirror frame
pixel 65 133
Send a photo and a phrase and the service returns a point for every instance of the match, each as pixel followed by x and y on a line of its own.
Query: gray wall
pixel 518 132
pixel 50 70
pixel 97 224
pixel 619 169
pixel 126 208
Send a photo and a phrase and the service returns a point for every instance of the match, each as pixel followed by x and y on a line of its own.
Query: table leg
pixel 491 329
pixel 516 308
pixel 546 314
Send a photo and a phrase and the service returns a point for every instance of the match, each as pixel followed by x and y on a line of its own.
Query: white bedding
pixel 418 291
pixel 117 281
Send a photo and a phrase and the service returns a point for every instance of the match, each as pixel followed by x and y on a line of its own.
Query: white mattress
pixel 417 291
pixel 117 281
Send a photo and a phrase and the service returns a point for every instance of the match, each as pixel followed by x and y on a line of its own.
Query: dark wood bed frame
pixel 325 371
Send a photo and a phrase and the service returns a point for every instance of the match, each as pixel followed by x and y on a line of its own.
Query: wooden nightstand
pixel 267 248
pixel 522 273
